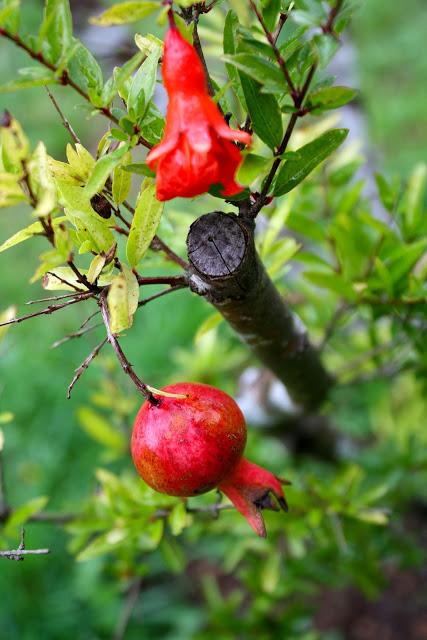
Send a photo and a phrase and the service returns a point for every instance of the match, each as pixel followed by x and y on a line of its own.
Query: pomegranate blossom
pixel 189 445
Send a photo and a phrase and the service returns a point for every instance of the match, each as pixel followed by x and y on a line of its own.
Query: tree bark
pixel 226 270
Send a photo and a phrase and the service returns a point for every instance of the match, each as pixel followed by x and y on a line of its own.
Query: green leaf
pixel 413 201
pixel 326 46
pixel 332 281
pixel 140 168
pixel 172 555
pixel 309 157
pixel 100 430
pixel 147 216
pixel 122 300
pixel 42 182
pixel 14 147
pixel 44 79
pixel 80 160
pixel 120 77
pixel 122 180
pixel 229 44
pixel 11 192
pixel 264 112
pixel 125 12
pixel 89 224
pixel 207 325
pixel 260 69
pixel 329 98
pixel 252 167
pixel 388 191
pixel 26 233
pixel 147 43
pixel 178 518
pixel 10 15
pixel 85 70
pixel 102 169
pixel 373 516
pixel 143 84
pixel 60 32
pixel 23 513
pixel 270 12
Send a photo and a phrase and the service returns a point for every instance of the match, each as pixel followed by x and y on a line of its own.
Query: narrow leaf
pixel 145 222
pixel 309 157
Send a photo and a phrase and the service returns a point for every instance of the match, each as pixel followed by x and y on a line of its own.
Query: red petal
pixel 221 127
pixel 249 487
pixel 229 160
pixel 184 173
pixel 182 69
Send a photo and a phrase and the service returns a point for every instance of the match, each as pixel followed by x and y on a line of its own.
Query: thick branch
pixel 226 270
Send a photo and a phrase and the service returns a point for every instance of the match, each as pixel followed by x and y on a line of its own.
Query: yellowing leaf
pixel 101 171
pixel 125 12
pixel 145 222
pixel 10 190
pixel 88 223
pixel 5 316
pixel 132 287
pixel 95 268
pixel 122 300
pixel 14 146
pixel 21 235
pixel 81 161
pixel 122 180
pixel 42 182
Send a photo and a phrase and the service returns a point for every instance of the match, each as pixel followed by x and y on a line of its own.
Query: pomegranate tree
pixel 193 441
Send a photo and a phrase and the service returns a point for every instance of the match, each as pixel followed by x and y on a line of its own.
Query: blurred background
pixel 47 452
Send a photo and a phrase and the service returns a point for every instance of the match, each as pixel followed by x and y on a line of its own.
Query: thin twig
pixel 75 334
pixel 21 551
pixel 157 244
pixel 85 364
pixel 66 282
pixel 124 362
pixel 53 518
pixel 281 62
pixel 50 309
pixel 65 122
pixel 171 280
pixel 53 298
pixel 80 276
pixel 165 292
pixel 341 309
pixel 64 79
pixel 198 47
pixel 129 605
pixel 89 318
pixel 299 98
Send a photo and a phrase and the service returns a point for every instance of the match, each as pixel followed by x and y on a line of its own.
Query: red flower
pixel 197 150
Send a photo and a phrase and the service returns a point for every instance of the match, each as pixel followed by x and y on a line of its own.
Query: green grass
pixel 390 40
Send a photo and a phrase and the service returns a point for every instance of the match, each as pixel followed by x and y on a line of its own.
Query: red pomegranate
pixel 188 445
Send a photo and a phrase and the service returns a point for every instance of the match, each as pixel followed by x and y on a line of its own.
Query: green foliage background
pixel 47 453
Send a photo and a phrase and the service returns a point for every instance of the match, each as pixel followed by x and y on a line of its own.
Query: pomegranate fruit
pixel 188 445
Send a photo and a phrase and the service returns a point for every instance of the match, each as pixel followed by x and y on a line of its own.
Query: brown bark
pixel 226 270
